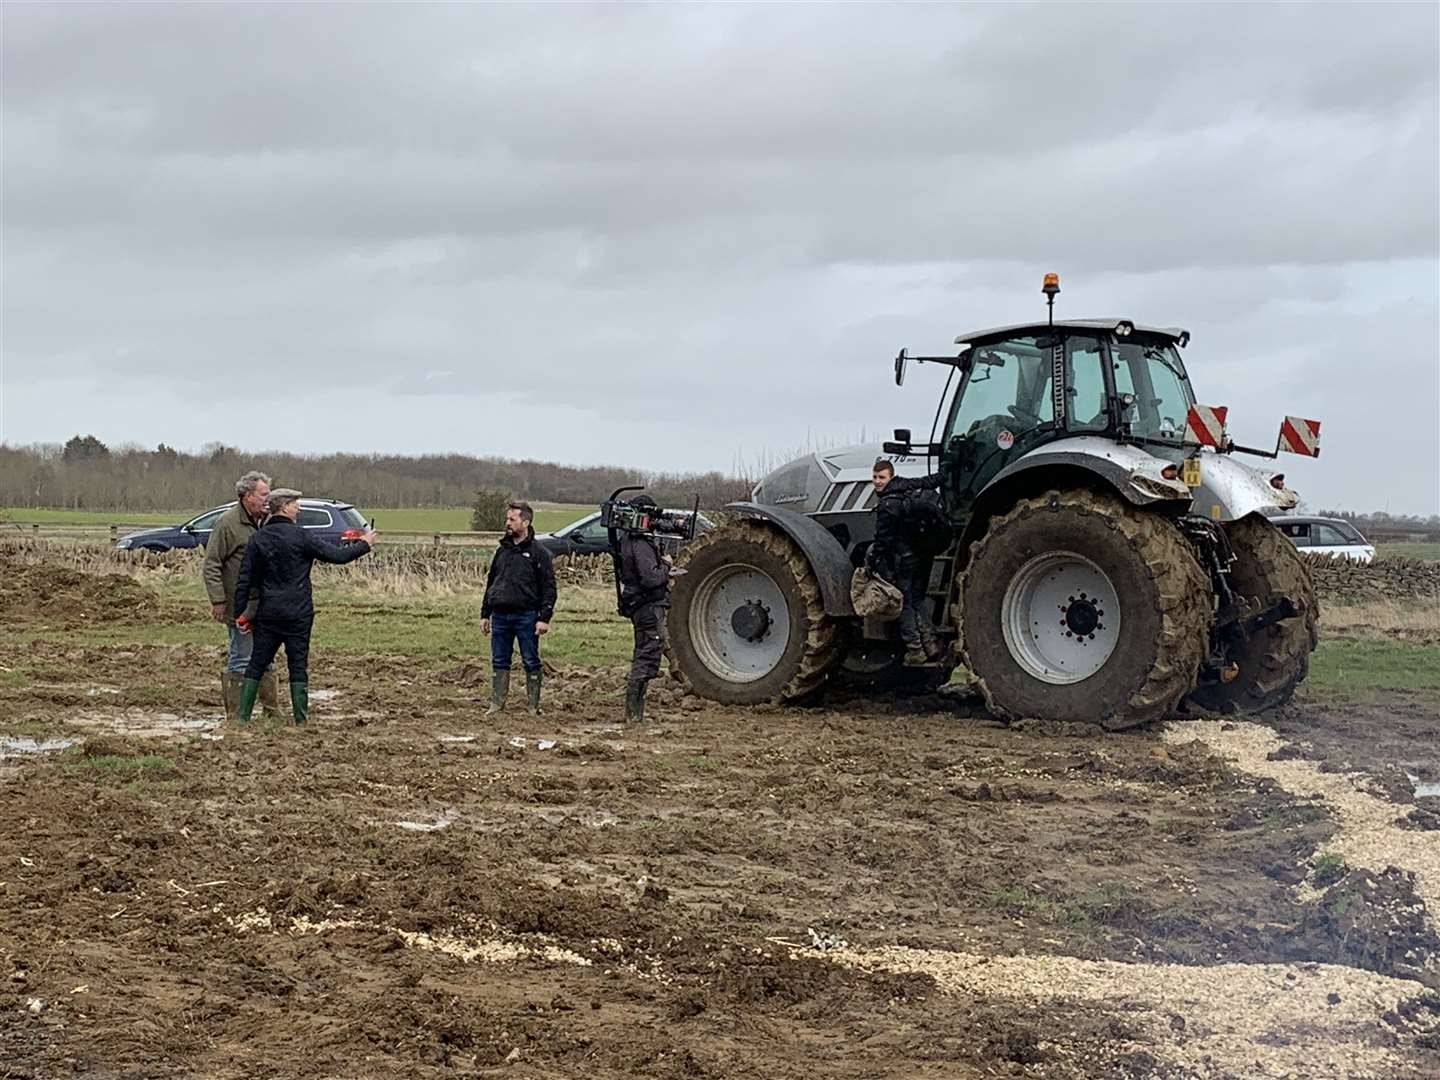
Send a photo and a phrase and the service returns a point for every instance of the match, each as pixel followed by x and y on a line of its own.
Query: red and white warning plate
pixel 1300 436
pixel 1205 425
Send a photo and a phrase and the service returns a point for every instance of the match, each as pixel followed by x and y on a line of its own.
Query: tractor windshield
pixel 1152 378
pixel 1007 391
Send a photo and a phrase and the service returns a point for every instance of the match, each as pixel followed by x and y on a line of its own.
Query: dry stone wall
pixel 1344 580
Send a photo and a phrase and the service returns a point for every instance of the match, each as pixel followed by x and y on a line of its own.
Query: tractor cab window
pixel 1153 379
pixel 1089 409
pixel 1007 389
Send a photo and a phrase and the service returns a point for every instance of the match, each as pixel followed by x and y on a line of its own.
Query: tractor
pixel 1111 561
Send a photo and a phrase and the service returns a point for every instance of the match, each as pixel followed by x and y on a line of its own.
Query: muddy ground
pixel 404 889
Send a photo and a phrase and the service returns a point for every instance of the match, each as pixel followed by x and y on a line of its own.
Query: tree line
pixel 86 474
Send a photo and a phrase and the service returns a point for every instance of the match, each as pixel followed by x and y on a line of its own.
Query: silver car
pixel 1325 536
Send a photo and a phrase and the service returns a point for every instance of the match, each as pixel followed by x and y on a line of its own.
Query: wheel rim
pixel 1061 618
pixel 739 623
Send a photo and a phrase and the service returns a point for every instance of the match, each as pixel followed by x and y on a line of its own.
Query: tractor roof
pixel 998 333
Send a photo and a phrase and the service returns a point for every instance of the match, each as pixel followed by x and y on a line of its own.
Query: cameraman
pixel 644 594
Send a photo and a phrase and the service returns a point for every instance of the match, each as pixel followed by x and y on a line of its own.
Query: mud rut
pixel 402 890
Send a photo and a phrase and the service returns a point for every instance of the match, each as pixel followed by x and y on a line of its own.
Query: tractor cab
pixel 1022 387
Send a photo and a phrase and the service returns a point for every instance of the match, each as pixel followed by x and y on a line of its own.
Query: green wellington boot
pixel 499 691
pixel 300 701
pixel 533 679
pixel 249 691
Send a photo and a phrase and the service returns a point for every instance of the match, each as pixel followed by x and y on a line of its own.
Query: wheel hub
pixel 1061 617
pixel 751 621
pixel 1082 616
pixel 739 622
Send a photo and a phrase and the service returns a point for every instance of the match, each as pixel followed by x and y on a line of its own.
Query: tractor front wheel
pixel 1077 607
pixel 746 622
pixel 1274 660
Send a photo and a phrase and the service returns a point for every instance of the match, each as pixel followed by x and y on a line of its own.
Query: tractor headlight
pixel 1123 329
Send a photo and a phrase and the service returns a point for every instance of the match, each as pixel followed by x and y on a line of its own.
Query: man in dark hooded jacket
pixel 273 598
pixel 644 599
pixel 518 606
pixel 900 556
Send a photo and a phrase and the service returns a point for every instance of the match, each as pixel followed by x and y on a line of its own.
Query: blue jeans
pixel 507 627
pixel 241 646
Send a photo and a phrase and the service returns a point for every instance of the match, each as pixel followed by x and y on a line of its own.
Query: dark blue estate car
pixel 333 520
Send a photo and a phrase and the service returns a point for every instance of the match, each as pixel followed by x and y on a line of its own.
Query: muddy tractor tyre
pixel 746 621
pixel 1076 607
pixel 1276 659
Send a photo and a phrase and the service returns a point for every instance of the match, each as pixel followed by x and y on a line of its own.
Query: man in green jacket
pixel 221 570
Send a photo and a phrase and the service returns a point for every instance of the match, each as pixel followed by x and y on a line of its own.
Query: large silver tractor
pixel 1111 562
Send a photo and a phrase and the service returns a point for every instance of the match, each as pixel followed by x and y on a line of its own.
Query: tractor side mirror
pixel 901 445
pixel 900 359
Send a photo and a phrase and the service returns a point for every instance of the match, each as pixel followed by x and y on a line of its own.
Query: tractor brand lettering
pixel 1005 440
pixel 1205 425
pixel 1057 383
pixel 1300 436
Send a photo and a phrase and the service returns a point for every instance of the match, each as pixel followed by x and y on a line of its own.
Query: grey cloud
pixel 725 217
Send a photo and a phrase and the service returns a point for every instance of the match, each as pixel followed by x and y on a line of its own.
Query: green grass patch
pixel 30 729
pixel 1427 551
pixel 548 517
pixel 99 517
pixel 121 765
pixel 1329 868
pixel 435 630
pixel 1363 669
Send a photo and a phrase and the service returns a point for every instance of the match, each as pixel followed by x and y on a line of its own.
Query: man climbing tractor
pixel 910 530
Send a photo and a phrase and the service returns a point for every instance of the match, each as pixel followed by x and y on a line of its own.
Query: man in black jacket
pixel 644 597
pixel 519 604
pixel 273 600
pixel 899 554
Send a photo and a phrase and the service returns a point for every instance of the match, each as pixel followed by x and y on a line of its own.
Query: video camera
pixel 621 515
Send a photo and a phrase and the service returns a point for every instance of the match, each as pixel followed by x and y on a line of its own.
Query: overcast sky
pixel 684 236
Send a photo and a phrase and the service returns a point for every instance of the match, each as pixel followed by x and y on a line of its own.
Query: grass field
pixel 1429 552
pixel 1364 649
pixel 433 630
pixel 548 517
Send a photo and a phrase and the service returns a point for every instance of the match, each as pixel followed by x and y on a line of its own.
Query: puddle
pixel 145 724
pixel 433 825
pixel 324 695
pixel 1424 789
pixel 21 746
pixel 540 744
pixel 457 738
pixel 101 691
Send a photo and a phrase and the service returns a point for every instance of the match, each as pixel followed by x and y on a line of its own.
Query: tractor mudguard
pixel 1132 473
pixel 1231 490
pixel 827 558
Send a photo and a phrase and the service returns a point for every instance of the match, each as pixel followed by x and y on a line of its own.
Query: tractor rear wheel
pixel 746 622
pixel 1076 607
pixel 1276 659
